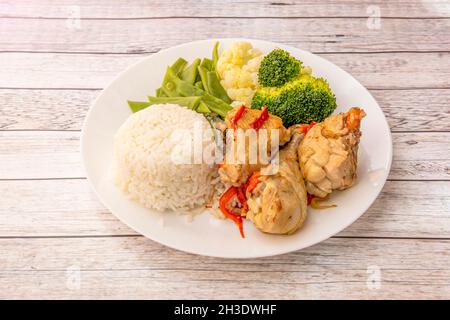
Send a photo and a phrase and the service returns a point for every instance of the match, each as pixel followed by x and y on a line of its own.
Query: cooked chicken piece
pixel 238 167
pixel 328 153
pixel 249 116
pixel 278 204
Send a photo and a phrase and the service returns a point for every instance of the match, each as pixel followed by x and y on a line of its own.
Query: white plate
pixel 206 235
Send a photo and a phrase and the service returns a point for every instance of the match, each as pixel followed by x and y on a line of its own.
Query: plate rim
pixel 326 235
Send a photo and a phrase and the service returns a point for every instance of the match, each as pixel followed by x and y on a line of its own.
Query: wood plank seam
pixel 224 17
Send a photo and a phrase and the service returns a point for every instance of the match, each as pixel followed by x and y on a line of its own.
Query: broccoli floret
pixel 301 100
pixel 277 68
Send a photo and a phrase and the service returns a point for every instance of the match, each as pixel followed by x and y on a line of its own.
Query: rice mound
pixel 144 169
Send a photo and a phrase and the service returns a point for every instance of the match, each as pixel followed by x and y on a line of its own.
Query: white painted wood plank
pixel 221 8
pixel 409 209
pixel 54 208
pixel 415 110
pixel 139 268
pixel 375 71
pixel 55 154
pixel 67 208
pixel 40 154
pixel 421 155
pixel 41 70
pixel 22 109
pixel 143 36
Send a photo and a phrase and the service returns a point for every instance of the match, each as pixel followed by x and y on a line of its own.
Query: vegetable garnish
pixel 223 202
pixel 238 116
pixel 304 128
pixel 249 186
pixel 239 192
pixel 195 86
pixel 242 198
pixel 301 100
pixel 277 68
pixel 136 106
pixel 353 118
pixel 253 181
pixel 259 122
pixel 314 202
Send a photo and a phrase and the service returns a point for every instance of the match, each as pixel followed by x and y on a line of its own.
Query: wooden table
pixel 58 241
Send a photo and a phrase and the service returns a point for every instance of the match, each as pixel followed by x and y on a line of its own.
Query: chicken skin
pixel 237 168
pixel 278 204
pixel 328 153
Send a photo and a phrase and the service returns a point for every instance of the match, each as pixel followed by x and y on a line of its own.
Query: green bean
pixel 194 103
pixel 198 79
pixel 199 84
pixel 202 108
pixel 179 87
pixel 216 105
pixel 160 92
pixel 209 77
pixel 188 102
pixel 215 56
pixel 196 86
pixel 189 74
pixel 215 88
pixel 211 84
pixel 168 86
pixel 203 72
pixel 207 63
pixel 136 106
pixel 179 65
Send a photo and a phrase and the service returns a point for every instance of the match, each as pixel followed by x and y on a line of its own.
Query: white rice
pixel 143 167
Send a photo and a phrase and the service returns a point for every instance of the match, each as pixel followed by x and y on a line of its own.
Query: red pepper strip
pixel 242 198
pixel 238 116
pixel 253 181
pixel 304 128
pixel 259 122
pixel 224 199
pixel 310 198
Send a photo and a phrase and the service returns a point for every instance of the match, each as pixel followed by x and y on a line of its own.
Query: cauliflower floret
pixel 238 69
pixel 253 64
